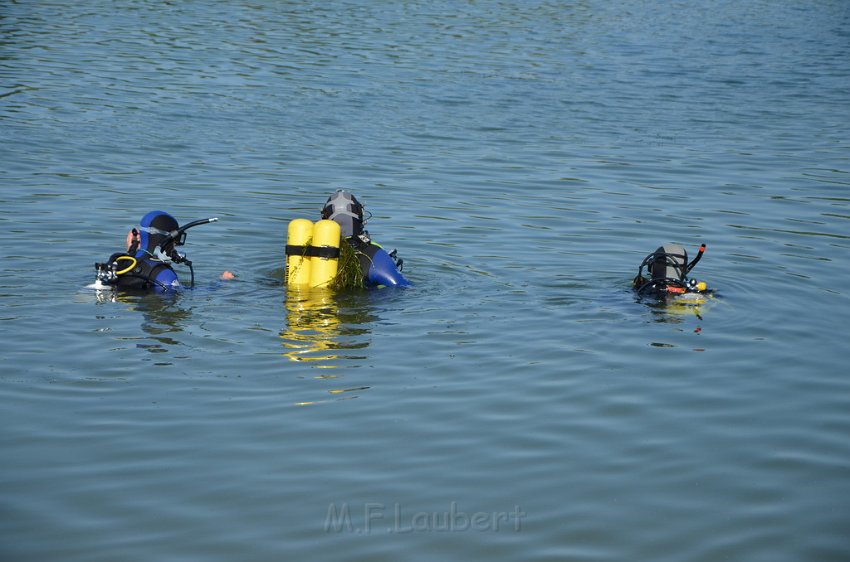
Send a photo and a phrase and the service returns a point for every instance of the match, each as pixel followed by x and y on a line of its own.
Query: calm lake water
pixel 516 403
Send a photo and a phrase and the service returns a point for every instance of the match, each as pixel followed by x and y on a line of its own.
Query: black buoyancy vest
pixel 365 251
pixel 142 277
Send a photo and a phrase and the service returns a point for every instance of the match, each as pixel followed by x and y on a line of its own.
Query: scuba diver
pixel 378 267
pixel 151 252
pixel 667 269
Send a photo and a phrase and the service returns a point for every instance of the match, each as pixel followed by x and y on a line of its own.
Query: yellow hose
pixel 129 267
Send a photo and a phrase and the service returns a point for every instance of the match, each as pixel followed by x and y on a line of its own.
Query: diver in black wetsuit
pixel 378 267
pixel 667 270
pixel 151 252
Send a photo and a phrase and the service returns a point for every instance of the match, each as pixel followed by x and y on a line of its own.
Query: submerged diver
pixel 151 251
pixel 378 267
pixel 667 269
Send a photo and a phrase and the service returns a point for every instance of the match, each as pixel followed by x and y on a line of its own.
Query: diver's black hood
pixel 155 228
pixel 670 262
pixel 344 208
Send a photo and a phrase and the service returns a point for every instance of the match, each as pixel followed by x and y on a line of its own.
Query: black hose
pixel 183 229
pixel 700 252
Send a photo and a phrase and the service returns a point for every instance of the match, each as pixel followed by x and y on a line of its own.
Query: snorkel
pixel 691 265
pixel 179 235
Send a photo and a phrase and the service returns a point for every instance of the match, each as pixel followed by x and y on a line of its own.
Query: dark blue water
pixel 517 403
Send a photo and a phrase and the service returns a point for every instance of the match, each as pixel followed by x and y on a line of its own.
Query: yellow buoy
pixel 324 259
pixel 297 252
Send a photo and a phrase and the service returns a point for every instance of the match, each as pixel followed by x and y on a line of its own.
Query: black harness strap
pixel 327 252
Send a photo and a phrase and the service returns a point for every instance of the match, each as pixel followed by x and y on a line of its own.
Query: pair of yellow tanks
pixel 312 252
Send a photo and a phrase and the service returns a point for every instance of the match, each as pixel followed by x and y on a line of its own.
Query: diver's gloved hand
pixel 399 263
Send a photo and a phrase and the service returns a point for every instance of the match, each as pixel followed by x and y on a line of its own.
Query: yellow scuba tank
pixel 297 252
pixel 324 258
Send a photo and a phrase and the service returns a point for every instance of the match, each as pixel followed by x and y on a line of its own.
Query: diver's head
pixel 156 228
pixel 669 262
pixel 667 267
pixel 343 208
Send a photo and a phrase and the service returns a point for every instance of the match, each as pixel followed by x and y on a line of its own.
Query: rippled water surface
pixel 516 403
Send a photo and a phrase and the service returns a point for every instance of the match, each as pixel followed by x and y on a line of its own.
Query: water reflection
pixel 163 317
pixel 674 310
pixel 314 328
pixel 680 312
pixel 327 331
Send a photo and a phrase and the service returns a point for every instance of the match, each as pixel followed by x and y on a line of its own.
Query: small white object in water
pixel 98 286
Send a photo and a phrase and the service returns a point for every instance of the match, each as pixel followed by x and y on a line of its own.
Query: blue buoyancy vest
pixel 377 266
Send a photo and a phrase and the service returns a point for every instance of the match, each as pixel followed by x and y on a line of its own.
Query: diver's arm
pixel 383 271
pixel 166 280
